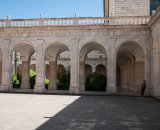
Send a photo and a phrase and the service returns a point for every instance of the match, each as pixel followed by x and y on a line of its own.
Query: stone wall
pixel 155 29
pixel 128 7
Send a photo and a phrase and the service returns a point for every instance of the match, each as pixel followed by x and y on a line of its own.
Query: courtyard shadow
pixel 107 113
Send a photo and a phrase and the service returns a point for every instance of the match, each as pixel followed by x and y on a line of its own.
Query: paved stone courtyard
pixel 60 112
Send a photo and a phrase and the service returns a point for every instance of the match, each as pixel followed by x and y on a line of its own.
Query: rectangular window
pixel 154 5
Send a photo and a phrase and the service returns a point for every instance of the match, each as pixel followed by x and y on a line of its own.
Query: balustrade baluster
pixel 52 22
pixel 81 21
pixel 101 21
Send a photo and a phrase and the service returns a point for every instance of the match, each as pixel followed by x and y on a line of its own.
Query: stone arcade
pixel 130 43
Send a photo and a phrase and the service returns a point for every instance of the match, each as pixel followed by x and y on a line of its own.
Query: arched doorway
pixel 58 56
pixel 93 54
pixel 21 65
pixel 130 68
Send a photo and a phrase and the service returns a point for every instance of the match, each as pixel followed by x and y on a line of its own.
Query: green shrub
pixel 15 81
pixel 96 82
pixel 32 73
pixel 62 86
pixel 14 78
pixel 32 78
pixel 46 83
pixel 32 81
pixel 63 80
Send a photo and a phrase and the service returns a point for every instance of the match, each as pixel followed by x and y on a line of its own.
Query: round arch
pixel 130 66
pixel 23 43
pixel 22 52
pixel 52 52
pixel 84 51
pixel 131 42
pixel 54 49
pixel 91 46
pixel 91 41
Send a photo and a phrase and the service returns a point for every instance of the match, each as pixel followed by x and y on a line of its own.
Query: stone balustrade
pixel 131 20
pixel 76 21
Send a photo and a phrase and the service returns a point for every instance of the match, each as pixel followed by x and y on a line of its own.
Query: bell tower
pixel 127 7
pixel 106 8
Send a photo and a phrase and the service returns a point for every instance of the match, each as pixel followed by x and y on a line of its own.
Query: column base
pixel 111 90
pixel 148 92
pixel 25 86
pixel 156 92
pixel 5 88
pixel 74 90
pixel 53 88
pixel 82 89
pixel 39 89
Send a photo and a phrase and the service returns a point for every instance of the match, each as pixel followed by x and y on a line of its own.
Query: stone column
pixel 6 84
pixel 93 68
pixel 40 76
pixel 148 90
pixel 111 75
pixel 139 74
pixel 156 75
pixel 0 72
pixel 40 68
pixel 134 74
pixel 74 84
pixel 156 67
pixel 52 75
pixel 82 76
pixel 130 75
pixel 125 76
pixel 122 76
pixel 25 75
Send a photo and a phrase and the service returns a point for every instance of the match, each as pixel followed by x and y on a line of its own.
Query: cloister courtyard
pixel 81 72
pixel 80 112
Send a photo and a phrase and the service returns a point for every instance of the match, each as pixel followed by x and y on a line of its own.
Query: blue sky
pixel 50 8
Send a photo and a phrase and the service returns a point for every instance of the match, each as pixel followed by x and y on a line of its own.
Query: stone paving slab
pixel 27 111
pixel 61 112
